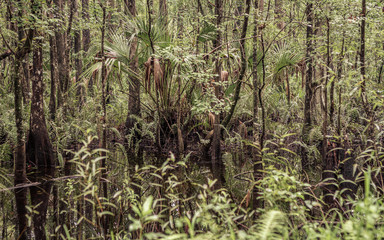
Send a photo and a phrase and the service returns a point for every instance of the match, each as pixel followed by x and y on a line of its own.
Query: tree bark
pixel 39 151
pixel 279 14
pixel 362 59
pixel 308 88
pixel 77 49
pixel 20 158
pixel 329 161
pixel 256 153
pixel 20 162
pixel 134 100
pixel 62 56
pixel 54 72
pixel 163 11
pixel 86 32
pixel 86 39
pixel 218 168
pixel 105 219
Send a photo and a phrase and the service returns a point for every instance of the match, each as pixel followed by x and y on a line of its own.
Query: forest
pixel 191 119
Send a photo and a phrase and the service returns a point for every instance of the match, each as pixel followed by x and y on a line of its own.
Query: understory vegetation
pixel 191 119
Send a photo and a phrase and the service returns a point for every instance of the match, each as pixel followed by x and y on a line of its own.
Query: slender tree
pixel 329 163
pixel 217 162
pixel 20 157
pixel 308 86
pixel 39 152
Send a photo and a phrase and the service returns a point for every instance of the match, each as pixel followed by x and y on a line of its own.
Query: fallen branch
pixel 34 184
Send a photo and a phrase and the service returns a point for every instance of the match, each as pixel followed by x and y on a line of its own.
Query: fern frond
pixel 271 226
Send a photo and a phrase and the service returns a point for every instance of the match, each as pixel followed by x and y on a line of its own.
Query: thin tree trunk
pixel 163 11
pixel 243 64
pixel 338 77
pixel 54 67
pixel 105 219
pixel 77 49
pixel 134 103
pixel 362 48
pixel 54 72
pixel 257 160
pixel 20 162
pixel 308 88
pixel 217 162
pixel 329 162
pixel 20 157
pixel 279 14
pixel 362 59
pixel 61 47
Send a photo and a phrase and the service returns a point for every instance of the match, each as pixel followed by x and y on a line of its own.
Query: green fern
pixel 272 225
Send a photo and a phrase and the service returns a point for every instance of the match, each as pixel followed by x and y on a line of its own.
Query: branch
pixel 34 184
pixel 5 54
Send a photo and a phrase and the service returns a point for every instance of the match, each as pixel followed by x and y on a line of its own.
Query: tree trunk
pixel 217 162
pixel 20 162
pixel 243 64
pixel 134 102
pixel 61 47
pixel 39 150
pixel 77 49
pixel 86 39
pixel 257 160
pixel 308 88
pixel 362 59
pixel 329 161
pixel 279 14
pixel 20 158
pixel 105 219
pixel 163 11
pixel 54 72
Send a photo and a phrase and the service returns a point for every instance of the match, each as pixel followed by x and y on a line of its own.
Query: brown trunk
pixel 39 150
pixel 256 154
pixel 20 158
pixel 61 47
pixel 362 59
pixel 104 219
pixel 308 88
pixel 329 160
pixel 26 79
pixel 217 162
pixel 54 67
pixel 163 11
pixel 78 62
pixel 134 102
pixel 279 14
pixel 86 32
pixel 362 46
pixel 338 77
pixel 86 40
pixel 348 186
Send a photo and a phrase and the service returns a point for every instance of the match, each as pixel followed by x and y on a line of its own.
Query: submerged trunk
pixel 20 158
pixel 20 163
pixel 39 150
